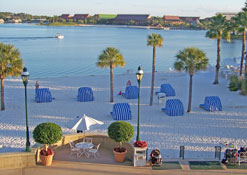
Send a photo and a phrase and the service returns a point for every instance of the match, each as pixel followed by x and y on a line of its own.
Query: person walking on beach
pixel 37 85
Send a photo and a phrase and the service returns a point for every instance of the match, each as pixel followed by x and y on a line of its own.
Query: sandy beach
pixel 199 131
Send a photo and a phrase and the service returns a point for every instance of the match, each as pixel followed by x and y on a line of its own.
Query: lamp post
pixel 139 76
pixel 25 76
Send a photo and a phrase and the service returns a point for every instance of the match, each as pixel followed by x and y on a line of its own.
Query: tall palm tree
pixel 191 60
pixel 154 40
pixel 10 65
pixel 218 29
pixel 241 22
pixel 111 58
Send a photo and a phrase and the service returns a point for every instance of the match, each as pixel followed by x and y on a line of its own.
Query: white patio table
pixel 84 146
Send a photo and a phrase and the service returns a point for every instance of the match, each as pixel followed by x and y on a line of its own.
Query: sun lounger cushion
pixel 121 111
pixel 174 107
pixel 167 89
pixel 85 94
pixel 212 103
pixel 131 92
pixel 43 95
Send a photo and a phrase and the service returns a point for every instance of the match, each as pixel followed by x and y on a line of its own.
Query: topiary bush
pixel 47 133
pixel 121 131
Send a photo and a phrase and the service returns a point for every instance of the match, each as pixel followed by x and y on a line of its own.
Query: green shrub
pixel 235 83
pixel 47 133
pixel 121 131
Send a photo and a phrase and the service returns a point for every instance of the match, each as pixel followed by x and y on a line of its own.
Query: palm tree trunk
pixel 243 53
pixel 111 83
pixel 216 81
pixel 153 76
pixel 2 94
pixel 190 94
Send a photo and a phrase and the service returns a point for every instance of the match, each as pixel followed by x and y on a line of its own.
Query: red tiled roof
pixel 171 18
pixel 65 16
pixel 81 16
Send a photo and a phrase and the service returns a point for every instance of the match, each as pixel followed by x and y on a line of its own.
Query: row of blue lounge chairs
pixel 85 94
pixel 174 107
pixel 121 111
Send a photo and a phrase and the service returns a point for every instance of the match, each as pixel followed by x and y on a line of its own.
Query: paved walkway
pixel 81 168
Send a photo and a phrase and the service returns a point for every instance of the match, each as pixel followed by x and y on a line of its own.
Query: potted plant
pixel 140 144
pixel 120 131
pixel 47 133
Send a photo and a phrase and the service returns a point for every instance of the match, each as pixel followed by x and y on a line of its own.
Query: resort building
pixel 227 15
pixel 77 17
pixel 128 18
pixel 180 19
pixel 172 19
pixel 190 20
pixel 65 16
pixel 1 21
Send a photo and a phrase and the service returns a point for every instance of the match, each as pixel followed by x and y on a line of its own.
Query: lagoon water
pixel 77 54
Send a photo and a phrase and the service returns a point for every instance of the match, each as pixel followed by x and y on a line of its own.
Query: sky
pixel 201 8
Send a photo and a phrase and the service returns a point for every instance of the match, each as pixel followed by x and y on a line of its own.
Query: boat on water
pixel 59 36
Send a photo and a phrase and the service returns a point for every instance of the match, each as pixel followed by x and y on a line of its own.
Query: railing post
pixel 218 152
pixel 181 153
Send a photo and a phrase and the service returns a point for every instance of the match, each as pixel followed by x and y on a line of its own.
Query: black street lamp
pixel 139 76
pixel 25 76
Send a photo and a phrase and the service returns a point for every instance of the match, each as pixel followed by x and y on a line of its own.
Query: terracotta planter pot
pixel 46 160
pixel 119 157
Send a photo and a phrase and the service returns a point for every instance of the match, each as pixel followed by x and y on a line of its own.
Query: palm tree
pixel 11 65
pixel 191 60
pixel 241 22
pixel 218 29
pixel 111 57
pixel 155 40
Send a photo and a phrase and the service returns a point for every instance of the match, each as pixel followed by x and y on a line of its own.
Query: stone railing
pixel 17 160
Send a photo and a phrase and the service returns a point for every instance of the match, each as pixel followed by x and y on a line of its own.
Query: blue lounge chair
pixel 174 107
pixel 43 95
pixel 85 94
pixel 167 89
pixel 212 103
pixel 131 92
pixel 121 111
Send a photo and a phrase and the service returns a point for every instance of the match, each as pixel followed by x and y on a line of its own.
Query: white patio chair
pixel 87 139
pixel 73 149
pixel 93 151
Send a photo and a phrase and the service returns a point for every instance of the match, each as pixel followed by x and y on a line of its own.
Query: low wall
pixel 17 160
pixel 103 139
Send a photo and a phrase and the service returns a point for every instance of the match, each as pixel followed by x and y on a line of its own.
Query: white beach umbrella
pixel 86 122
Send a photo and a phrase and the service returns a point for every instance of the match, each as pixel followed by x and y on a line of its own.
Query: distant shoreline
pixel 129 26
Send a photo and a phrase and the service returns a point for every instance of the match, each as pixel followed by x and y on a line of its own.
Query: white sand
pixel 200 131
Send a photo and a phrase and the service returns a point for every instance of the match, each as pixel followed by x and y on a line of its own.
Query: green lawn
pixel 167 166
pixel 107 16
pixel 205 165
pixel 242 166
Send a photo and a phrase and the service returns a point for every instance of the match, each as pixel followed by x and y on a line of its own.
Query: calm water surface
pixel 77 53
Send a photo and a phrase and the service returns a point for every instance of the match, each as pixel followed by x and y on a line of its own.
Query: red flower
pixel 46 153
pixel 141 144
pixel 120 150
